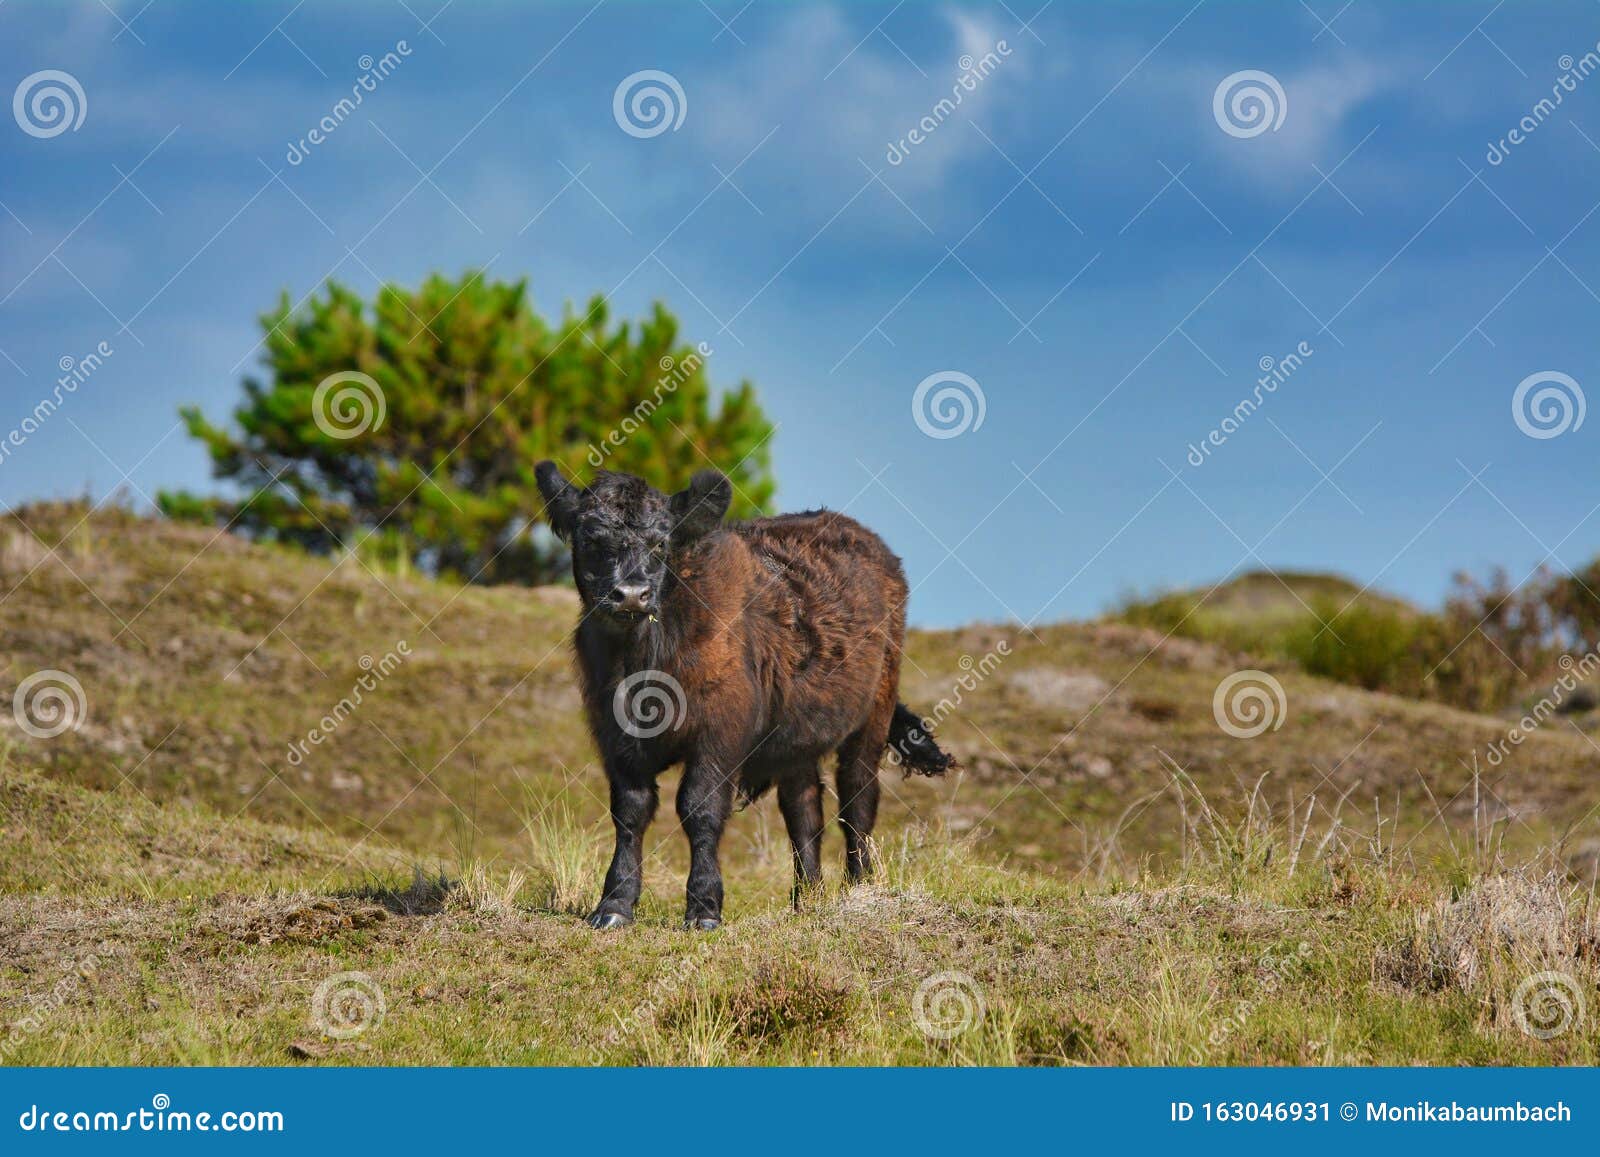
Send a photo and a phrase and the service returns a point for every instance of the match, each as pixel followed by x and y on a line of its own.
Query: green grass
pixel 1113 878
pixel 1354 957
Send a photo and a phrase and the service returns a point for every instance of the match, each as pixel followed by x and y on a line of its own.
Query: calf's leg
pixel 705 799
pixel 858 799
pixel 800 800
pixel 859 756
pixel 633 805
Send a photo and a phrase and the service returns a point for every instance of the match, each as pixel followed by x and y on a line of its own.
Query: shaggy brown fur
pixel 745 652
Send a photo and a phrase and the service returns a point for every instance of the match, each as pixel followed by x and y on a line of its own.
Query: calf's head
pixel 624 533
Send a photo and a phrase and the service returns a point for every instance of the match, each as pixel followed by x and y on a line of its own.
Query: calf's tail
pixel 911 745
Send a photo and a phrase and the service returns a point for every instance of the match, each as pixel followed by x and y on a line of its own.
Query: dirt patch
pixel 295 921
pixel 1176 652
pixel 1059 689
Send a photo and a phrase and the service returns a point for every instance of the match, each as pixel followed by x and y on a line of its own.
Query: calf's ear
pixel 560 498
pixel 699 507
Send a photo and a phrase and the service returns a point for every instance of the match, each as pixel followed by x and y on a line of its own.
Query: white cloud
pixel 840 100
pixel 975 35
pixel 1320 124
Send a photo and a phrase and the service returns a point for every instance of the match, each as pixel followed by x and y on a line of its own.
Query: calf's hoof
pixel 702 924
pixel 609 920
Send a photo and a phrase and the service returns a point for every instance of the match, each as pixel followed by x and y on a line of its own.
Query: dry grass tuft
pixel 1488 940
pixel 480 890
pixel 568 858
pixel 779 1002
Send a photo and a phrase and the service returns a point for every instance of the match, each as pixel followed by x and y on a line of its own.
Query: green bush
pixel 1372 646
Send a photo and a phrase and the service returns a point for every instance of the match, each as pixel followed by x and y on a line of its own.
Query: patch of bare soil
pixel 295 921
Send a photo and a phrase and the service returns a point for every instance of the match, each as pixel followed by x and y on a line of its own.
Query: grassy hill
pixel 1114 876
pixel 1258 610
pixel 1488 649
pixel 1281 596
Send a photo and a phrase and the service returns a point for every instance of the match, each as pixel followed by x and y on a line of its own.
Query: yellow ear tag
pixel 653 619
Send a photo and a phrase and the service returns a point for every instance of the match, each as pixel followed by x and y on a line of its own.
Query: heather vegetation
pixel 1492 643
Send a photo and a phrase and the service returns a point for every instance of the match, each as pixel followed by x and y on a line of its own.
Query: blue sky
pixel 1081 237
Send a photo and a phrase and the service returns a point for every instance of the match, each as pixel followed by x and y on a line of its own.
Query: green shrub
pixel 1371 646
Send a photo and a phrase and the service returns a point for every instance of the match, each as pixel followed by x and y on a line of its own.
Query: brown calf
pixel 746 652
